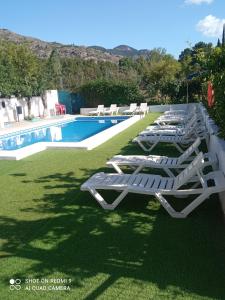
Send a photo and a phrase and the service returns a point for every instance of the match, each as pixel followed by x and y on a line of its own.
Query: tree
pixel 223 36
pixel 54 70
pixel 161 80
pixel 22 73
pixel 219 43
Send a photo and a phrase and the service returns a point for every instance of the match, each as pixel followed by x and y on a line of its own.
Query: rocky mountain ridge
pixel 43 49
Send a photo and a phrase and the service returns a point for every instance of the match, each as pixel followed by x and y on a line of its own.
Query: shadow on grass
pixel 138 241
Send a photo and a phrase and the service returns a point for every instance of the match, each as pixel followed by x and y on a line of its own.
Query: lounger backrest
pixel 100 107
pixel 189 172
pixel 190 127
pixel 113 106
pixel 143 105
pixel 189 151
pixel 133 106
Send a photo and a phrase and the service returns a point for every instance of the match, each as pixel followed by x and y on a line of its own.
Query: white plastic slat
pixel 164 161
pixel 120 179
pixel 157 182
pixel 163 183
pixel 150 182
pixel 131 179
pixel 190 171
pixel 143 181
pixel 137 180
pixel 110 179
pixel 170 183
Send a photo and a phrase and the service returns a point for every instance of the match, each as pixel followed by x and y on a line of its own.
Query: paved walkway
pixel 17 126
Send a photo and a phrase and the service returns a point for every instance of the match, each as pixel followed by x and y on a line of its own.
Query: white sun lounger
pixel 138 162
pixel 172 130
pixel 186 111
pixel 149 142
pixel 161 187
pixel 175 112
pixel 100 110
pixel 179 127
pixel 131 110
pixel 176 119
pixel 142 109
pixel 167 120
pixel 113 109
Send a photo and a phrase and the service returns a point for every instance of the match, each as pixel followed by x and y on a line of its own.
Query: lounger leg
pixel 151 147
pixel 172 212
pixel 138 169
pixel 178 148
pixel 142 146
pixel 117 168
pixel 187 210
pixel 169 172
pixel 201 198
pixel 103 203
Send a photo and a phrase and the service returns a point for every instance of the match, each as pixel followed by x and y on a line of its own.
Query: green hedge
pixel 107 92
pixel 217 68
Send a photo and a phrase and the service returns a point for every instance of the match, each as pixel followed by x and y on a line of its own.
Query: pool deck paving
pixel 17 126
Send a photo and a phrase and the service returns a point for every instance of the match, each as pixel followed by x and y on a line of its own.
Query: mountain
pixel 124 50
pixel 43 49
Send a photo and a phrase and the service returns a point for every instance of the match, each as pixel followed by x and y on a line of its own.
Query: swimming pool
pixel 75 130
pixel 70 133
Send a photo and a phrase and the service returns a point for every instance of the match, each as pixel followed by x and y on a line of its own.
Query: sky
pixel 142 24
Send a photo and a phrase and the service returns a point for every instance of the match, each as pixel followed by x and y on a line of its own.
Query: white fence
pixel 8 112
pixel 217 146
pixel 152 108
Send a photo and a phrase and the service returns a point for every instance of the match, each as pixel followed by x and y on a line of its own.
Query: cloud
pixel 211 26
pixel 198 1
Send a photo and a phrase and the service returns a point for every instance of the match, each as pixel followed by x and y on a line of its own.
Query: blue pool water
pixel 73 131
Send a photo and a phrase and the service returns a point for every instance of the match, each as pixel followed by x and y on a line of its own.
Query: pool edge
pixel 87 144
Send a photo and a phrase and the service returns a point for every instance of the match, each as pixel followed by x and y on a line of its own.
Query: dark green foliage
pixel 223 36
pixel 218 43
pixel 155 78
pixel 19 71
pixel 216 67
pixel 107 92
pixel 53 71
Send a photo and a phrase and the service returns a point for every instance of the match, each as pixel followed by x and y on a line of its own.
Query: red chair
pixel 63 109
pixel 60 109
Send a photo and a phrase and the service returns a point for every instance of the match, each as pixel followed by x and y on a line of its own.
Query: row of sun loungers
pixel 184 175
pixel 113 109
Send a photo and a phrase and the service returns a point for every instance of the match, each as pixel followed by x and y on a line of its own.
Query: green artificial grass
pixel 49 229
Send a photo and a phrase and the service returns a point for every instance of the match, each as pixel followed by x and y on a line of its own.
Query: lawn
pixel 50 229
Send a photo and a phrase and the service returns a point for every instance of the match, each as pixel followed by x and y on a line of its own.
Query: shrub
pixel 107 92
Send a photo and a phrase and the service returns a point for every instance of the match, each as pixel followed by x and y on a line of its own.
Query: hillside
pixel 43 49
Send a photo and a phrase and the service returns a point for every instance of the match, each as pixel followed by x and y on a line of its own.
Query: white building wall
pixel 52 100
pixel 8 113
